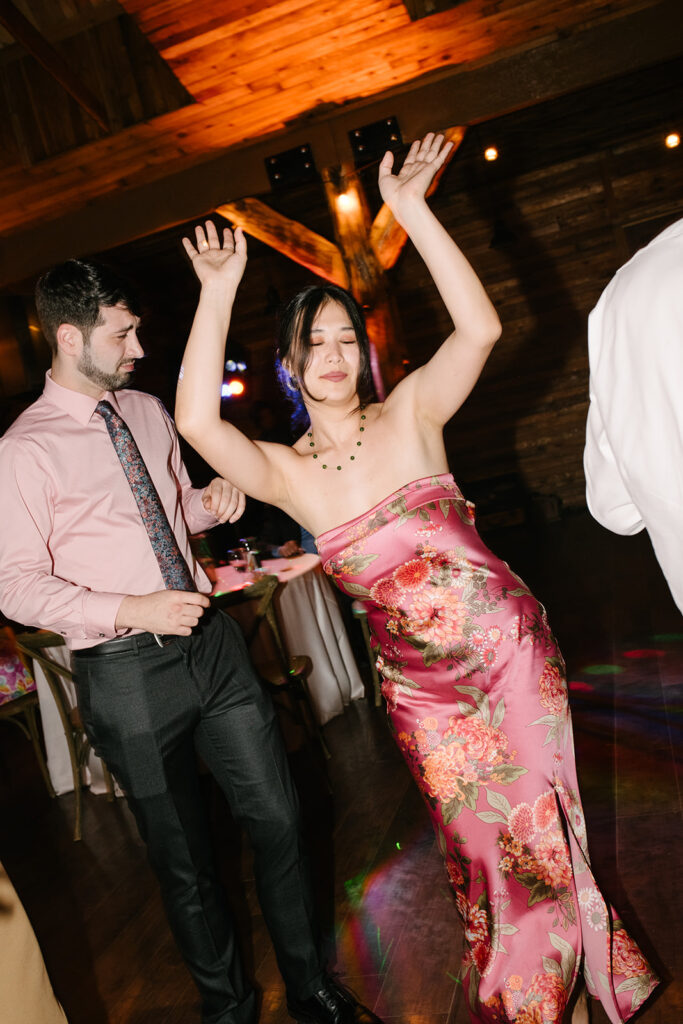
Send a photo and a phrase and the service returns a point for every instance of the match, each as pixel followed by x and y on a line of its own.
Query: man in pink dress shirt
pixel 158 672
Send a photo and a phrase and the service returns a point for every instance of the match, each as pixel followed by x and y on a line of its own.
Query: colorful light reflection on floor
pixel 368 937
pixel 622 697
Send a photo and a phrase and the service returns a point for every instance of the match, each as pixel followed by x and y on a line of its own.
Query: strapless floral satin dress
pixel 477 697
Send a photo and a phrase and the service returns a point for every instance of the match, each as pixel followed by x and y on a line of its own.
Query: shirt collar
pixel 77 405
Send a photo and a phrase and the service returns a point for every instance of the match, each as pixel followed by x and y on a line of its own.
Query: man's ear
pixel 69 340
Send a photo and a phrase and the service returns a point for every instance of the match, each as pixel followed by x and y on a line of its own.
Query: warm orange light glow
pixel 490 153
pixel 346 201
pixel 232 388
pixel 672 140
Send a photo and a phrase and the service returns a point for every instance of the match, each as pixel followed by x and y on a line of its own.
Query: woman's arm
pixel 249 466
pixel 439 388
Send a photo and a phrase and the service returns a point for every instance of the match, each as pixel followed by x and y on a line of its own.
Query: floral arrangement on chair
pixel 15 681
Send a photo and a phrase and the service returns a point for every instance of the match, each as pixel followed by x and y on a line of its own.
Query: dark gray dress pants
pixel 145 712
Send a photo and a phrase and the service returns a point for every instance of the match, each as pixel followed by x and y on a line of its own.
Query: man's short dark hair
pixel 73 292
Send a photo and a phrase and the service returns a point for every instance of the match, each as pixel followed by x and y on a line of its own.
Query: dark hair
pixel 73 292
pixel 294 345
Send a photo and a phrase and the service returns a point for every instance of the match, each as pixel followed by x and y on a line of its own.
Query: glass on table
pixel 251 547
pixel 237 558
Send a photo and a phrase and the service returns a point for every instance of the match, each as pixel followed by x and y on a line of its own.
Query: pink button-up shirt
pixel 72 543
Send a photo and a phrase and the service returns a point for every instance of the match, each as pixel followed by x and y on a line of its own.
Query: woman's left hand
pixel 419 167
pixel 214 262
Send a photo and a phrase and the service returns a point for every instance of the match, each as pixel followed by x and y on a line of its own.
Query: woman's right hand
pixel 409 186
pixel 215 263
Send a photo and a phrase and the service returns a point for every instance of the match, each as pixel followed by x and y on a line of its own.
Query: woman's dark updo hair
pixel 294 345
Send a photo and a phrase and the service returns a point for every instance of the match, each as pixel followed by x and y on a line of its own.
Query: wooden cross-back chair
pixel 280 672
pixel 19 698
pixel 32 650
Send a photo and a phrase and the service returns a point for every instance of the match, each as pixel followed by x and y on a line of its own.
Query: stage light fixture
pixel 370 142
pixel 490 153
pixel 672 140
pixel 292 167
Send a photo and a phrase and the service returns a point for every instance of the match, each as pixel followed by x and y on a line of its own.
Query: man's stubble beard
pixel 107 381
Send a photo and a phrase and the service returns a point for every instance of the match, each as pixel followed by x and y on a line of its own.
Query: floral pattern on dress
pixel 476 694
pixel 450 767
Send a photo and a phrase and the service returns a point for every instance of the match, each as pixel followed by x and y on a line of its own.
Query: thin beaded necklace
pixel 352 458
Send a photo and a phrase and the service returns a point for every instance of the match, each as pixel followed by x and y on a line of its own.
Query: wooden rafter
pixel 175 168
pixel 364 249
pixel 21 29
pixel 289 237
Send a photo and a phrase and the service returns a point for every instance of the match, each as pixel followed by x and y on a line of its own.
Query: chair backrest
pixel 32 648
pixel 262 592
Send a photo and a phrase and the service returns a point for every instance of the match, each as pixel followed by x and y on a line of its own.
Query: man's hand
pixel 290 549
pixel 223 500
pixel 166 611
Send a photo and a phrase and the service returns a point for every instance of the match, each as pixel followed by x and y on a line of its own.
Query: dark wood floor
pixel 390 927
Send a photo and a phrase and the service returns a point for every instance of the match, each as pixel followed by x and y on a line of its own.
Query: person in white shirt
pixel 633 458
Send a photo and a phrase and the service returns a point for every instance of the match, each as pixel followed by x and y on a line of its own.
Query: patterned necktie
pixel 174 568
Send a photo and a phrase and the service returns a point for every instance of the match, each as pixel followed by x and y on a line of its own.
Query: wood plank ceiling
pixel 184 82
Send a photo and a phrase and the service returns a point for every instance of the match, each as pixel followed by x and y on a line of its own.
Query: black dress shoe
pixel 331 1004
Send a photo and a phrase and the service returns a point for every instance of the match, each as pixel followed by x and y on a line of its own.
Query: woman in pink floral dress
pixel 473 679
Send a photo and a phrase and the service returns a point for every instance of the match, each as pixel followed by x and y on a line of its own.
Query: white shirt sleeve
pixel 609 500
pixel 633 458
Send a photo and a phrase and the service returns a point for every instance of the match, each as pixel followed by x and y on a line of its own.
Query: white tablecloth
pixel 312 625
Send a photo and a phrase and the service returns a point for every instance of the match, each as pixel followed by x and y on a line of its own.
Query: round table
pixel 311 624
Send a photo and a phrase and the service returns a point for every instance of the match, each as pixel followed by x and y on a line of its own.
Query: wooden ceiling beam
pixel 290 238
pixel 25 33
pixel 476 94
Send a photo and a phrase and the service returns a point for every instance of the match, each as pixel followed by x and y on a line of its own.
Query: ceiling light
pixel 345 201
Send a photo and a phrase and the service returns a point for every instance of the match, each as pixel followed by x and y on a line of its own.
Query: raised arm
pixel 440 386
pixel 219 267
